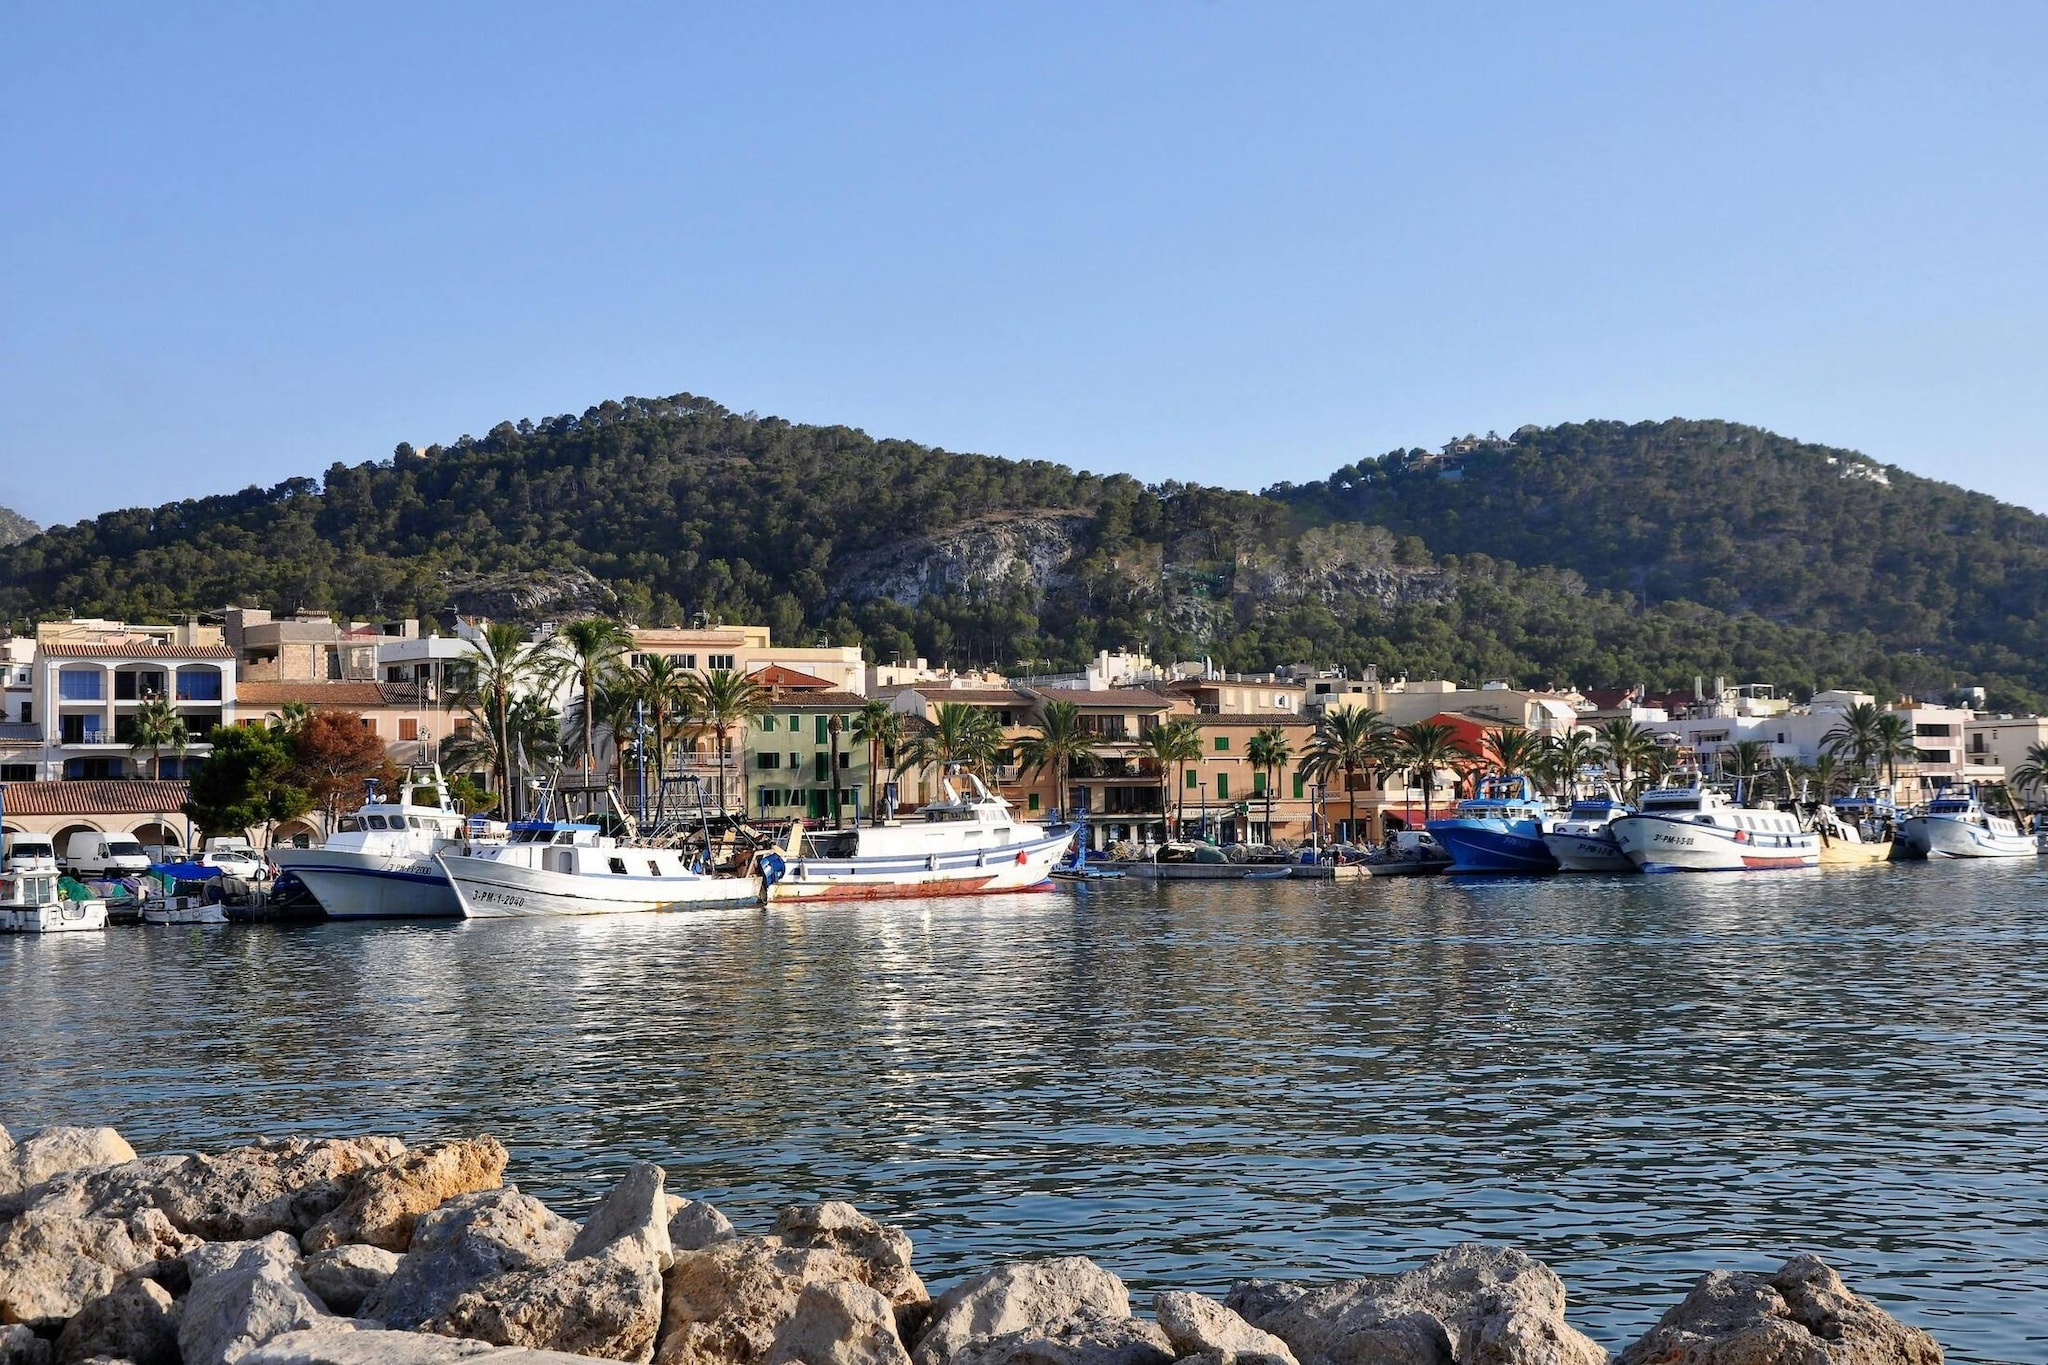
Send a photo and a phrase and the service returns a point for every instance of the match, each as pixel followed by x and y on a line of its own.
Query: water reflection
pixel 1634 1079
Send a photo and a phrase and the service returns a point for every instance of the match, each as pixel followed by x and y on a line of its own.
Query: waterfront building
pixel 749 649
pixel 309 646
pixel 90 678
pixel 796 765
pixel 2002 742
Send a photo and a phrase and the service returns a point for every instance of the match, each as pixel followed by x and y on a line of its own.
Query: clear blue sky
pixel 1233 242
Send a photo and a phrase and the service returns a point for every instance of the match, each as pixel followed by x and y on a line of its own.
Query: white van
pixel 29 853
pixel 105 855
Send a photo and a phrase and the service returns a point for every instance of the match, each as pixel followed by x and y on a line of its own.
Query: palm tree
pixel 1510 749
pixel 2031 775
pixel 1571 754
pixel 1162 746
pixel 589 650
pixel 292 718
pixel 1184 742
pixel 1855 736
pixel 1827 774
pixel 1269 752
pixel 720 700
pixel 1426 748
pixel 1628 746
pixel 879 726
pixel 960 735
pixel 500 667
pixel 1352 741
pixel 1061 739
pixel 661 696
pixel 1894 742
pixel 158 727
pixel 1745 758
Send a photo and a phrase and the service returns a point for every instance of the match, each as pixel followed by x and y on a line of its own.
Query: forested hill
pixel 1731 517
pixel 661 509
pixel 15 527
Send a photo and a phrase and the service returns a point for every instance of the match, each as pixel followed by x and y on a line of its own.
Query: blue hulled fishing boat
pixel 1499 830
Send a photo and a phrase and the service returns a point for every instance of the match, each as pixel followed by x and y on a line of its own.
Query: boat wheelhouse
pixel 1698 829
pixel 1500 829
pixel 32 901
pixel 1583 841
pixel 1957 824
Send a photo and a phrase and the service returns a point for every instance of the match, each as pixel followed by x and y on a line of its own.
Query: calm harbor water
pixel 1632 1079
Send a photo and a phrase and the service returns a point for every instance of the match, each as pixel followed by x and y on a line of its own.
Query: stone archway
pixel 152 832
pixel 292 831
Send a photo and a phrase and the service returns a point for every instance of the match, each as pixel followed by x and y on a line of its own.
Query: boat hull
pixel 1934 836
pixel 1657 844
pixel 1844 853
pixel 184 910
pixel 1490 846
pixel 58 917
pixel 1023 866
pixel 373 885
pixel 486 888
pixel 1587 852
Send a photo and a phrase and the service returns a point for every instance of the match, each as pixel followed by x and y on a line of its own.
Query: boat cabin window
pixel 349 824
pixel 1671 805
pixel 653 868
pixel 619 866
pixel 414 821
pixel 374 821
pixel 566 837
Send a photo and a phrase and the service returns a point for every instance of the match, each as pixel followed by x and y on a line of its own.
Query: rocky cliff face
pixel 15 527
pixel 1031 549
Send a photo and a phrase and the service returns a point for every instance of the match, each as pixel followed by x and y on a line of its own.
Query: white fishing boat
pixel 1696 829
pixel 1956 824
pixel 31 902
pixel 558 867
pixel 379 862
pixel 183 908
pixel 1584 840
pixel 957 846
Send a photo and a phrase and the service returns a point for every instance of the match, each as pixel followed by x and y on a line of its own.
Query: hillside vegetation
pixel 678 506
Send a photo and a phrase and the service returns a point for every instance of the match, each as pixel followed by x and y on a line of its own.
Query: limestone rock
pixel 631 1222
pixel 1198 1325
pixel 280 1186
pixel 58 1262
pixel 1084 1339
pixel 137 1322
pixel 218 1258
pixel 61 1151
pixel 1470 1305
pixel 1802 1315
pixel 342 1277
pixel 726 1303
pixel 1019 1297
pixel 839 1324
pixel 341 1344
pixel 19 1346
pixel 386 1201
pixel 883 1252
pixel 469 1239
pixel 606 1305
pixel 230 1313
pixel 694 1224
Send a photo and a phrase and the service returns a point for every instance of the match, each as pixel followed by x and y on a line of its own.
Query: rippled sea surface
pixel 1635 1080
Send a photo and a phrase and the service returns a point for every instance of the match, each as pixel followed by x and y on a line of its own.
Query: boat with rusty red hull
pixel 963 845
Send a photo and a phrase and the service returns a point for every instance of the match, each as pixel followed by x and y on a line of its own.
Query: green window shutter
pixel 824 765
pixel 1300 783
pixel 1034 801
pixel 768 725
pixel 823 729
pixel 1258 783
pixel 1223 744
pixel 1189 780
pixel 1222 786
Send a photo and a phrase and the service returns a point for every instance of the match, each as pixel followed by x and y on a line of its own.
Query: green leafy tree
pixel 590 650
pixel 488 686
pixel 1509 749
pixel 1568 755
pixel 245 783
pixel 1895 742
pixel 2032 773
pixel 1855 737
pixel 1629 748
pixel 960 735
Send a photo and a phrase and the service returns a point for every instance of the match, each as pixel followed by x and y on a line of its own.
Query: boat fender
pixel 771 868
pixel 1741 836
pixel 1021 860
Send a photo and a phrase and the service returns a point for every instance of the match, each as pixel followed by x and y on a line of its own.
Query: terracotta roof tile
pixel 353 695
pixel 807 700
pixel 1255 718
pixel 94 798
pixel 1114 696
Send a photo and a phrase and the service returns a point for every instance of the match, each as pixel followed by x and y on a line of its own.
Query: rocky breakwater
pixel 353 1251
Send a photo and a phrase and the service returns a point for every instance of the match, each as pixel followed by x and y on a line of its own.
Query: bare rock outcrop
pixel 1023 1297
pixel 243 1193
pixel 343 1277
pixel 137 1322
pixel 726 1303
pixel 839 1324
pixel 1470 1305
pixel 694 1224
pixel 20 1346
pixel 1801 1315
pixel 386 1201
pixel 1085 1339
pixel 631 1223
pixel 1198 1325
pixel 469 1239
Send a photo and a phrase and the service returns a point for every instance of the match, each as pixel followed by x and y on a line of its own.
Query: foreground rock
pixel 345 1345
pixel 385 1202
pixel 607 1305
pixel 1068 1300
pixel 57 1262
pixel 58 1151
pixel 242 1296
pixel 632 1222
pixel 1802 1315
pixel 1199 1326
pixel 694 1225
pixel 137 1322
pixel 839 1324
pixel 726 1304
pixel 343 1277
pixel 1470 1305
pixel 19 1346
pixel 883 1253
pixel 470 1239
